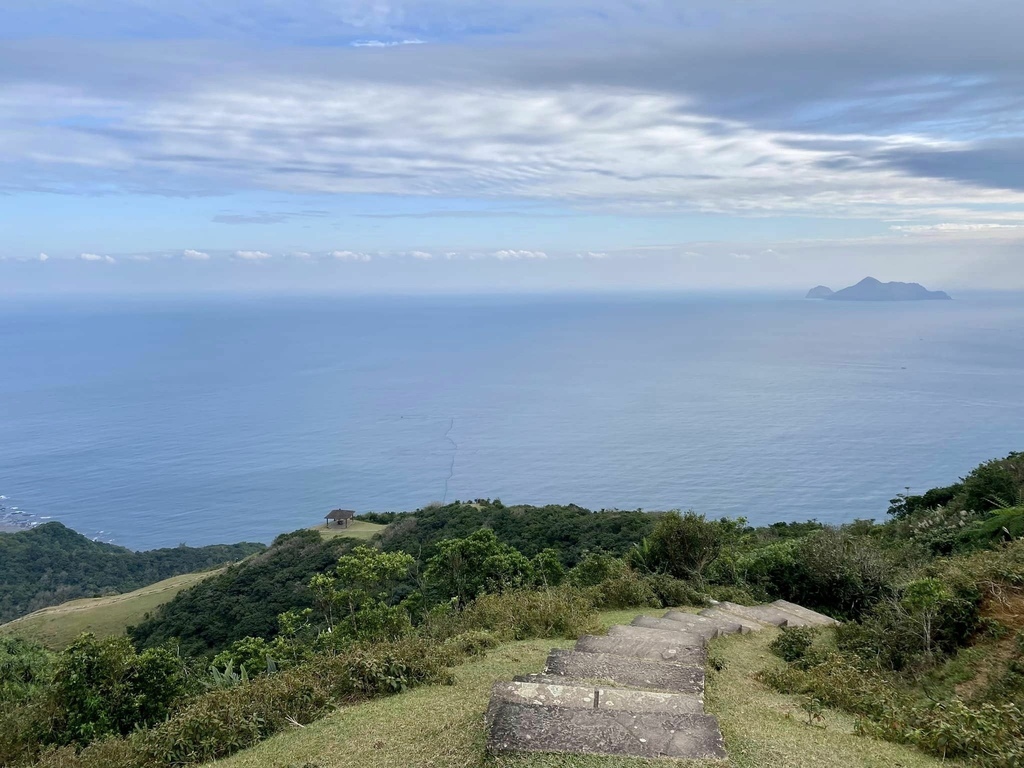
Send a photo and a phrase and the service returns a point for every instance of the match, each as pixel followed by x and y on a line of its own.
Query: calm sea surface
pixel 210 420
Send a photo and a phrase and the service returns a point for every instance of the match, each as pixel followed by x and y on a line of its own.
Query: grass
pixel 443 727
pixel 357 529
pixel 55 627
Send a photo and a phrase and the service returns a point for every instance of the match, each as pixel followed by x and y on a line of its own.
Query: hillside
pixel 321 652
pixel 246 599
pixel 52 564
pixel 763 729
pixel 57 626
pixel 569 529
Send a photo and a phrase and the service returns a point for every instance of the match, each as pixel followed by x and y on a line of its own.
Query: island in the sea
pixel 870 289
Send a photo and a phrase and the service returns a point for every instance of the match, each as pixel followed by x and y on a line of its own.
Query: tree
pixel 923 600
pixel 357 588
pixel 104 687
pixel 685 545
pixel 463 569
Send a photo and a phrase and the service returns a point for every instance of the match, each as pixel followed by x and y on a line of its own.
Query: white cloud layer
pixel 350 256
pixel 507 255
pixel 95 257
pixel 192 255
pixel 252 255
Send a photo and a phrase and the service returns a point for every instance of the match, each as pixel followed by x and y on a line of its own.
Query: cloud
pixel 422 255
pixel 509 254
pixel 592 255
pixel 742 256
pixel 252 255
pixel 192 255
pixel 95 257
pixel 955 227
pixel 265 217
pixel 350 256
pixel 384 43
pixel 42 257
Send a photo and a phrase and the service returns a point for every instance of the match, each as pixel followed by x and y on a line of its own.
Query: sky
pixel 542 145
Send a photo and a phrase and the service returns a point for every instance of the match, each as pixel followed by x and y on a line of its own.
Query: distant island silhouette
pixel 870 289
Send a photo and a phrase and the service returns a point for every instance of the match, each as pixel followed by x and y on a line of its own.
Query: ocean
pixel 201 420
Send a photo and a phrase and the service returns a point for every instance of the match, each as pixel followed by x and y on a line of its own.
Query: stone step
pixel 768 614
pixel 806 613
pixel 524 728
pixel 749 625
pixel 648 622
pixel 726 626
pixel 688 639
pixel 633 673
pixel 652 649
pixel 576 696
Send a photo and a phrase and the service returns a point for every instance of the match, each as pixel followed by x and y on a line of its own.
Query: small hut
pixel 340 517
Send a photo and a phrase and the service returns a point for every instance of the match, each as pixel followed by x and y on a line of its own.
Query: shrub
pixel 466 568
pixel 595 568
pixel 685 545
pixel 523 614
pixel 103 687
pixel 672 593
pixel 627 590
pixel 23 668
pixel 793 643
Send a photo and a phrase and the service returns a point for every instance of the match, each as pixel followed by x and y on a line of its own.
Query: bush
pixel 673 593
pixel 625 591
pixel 685 545
pixel 595 568
pixel 793 643
pixel 524 614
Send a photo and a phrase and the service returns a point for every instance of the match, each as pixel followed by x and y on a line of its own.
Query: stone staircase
pixel 637 691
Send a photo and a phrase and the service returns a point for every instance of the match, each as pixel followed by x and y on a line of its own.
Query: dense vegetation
pixel 570 530
pixel 931 654
pixel 51 564
pixel 246 599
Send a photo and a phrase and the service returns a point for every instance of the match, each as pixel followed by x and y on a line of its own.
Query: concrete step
pixel 648 622
pixel 576 696
pixel 749 625
pixel 807 614
pixel 632 673
pixel 768 614
pixel 524 728
pixel 688 639
pixel 652 649
pixel 726 626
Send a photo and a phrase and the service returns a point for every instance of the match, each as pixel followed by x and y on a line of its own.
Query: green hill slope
pixel 443 726
pixel 52 564
pixel 57 626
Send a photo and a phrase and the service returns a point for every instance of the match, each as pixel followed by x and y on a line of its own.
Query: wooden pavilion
pixel 340 517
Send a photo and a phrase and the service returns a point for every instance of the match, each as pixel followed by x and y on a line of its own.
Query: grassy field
pixel 443 727
pixel 55 627
pixel 357 529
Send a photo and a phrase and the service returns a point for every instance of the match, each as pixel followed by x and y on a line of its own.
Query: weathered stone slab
pixel 648 622
pixel 537 694
pixel 749 625
pixel 658 649
pixel 766 613
pixel 684 638
pixel 726 626
pixel 806 613
pixel 522 728
pixel 577 696
pixel 634 673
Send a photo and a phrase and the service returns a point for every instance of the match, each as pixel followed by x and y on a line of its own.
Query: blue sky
pixel 459 145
